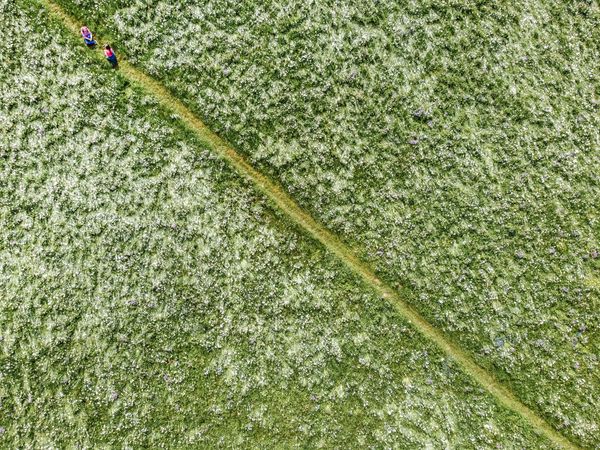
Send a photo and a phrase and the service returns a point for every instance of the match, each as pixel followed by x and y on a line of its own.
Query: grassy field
pixel 453 144
pixel 150 297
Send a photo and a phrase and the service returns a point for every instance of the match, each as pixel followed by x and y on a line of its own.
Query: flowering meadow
pixel 455 145
pixel 151 298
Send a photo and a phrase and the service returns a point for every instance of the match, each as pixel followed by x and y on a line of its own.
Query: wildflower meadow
pixel 152 297
pixel 455 145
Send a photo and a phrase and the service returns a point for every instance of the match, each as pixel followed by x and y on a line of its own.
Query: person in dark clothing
pixel 87 36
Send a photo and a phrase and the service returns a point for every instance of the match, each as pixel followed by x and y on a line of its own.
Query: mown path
pixel 303 219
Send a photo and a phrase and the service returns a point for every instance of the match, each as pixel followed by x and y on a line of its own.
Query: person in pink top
pixel 110 56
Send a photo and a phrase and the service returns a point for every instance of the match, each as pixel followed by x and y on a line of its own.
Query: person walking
pixel 110 56
pixel 87 36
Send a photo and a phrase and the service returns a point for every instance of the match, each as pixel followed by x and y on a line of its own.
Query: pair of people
pixel 91 43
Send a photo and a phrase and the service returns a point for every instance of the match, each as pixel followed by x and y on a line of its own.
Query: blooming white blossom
pixel 151 298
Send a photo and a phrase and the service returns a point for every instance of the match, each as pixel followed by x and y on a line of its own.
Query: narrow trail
pixel 303 219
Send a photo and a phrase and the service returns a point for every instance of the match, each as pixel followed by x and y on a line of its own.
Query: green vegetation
pixel 454 144
pixel 151 298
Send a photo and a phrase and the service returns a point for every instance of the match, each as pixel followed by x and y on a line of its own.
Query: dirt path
pixel 303 219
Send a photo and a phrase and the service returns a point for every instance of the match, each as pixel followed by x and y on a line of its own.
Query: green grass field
pixel 454 145
pixel 151 296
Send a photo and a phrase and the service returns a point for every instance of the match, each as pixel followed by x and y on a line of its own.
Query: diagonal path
pixel 317 231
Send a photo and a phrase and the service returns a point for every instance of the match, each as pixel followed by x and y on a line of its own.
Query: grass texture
pixel 454 145
pixel 152 298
